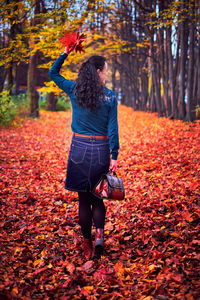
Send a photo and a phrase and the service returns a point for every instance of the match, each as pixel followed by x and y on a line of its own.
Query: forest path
pixel 151 238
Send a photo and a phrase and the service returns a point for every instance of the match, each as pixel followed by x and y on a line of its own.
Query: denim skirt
pixel 88 159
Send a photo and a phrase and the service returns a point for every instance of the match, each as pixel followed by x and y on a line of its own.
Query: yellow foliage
pixel 15 290
pixel 36 262
pixel 88 288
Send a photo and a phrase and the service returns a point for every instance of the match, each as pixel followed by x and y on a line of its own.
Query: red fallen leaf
pixel 99 275
pixel 31 226
pixel 123 257
pixel 196 242
pixel 14 292
pixel 138 252
pixel 196 256
pixel 177 278
pixel 193 185
pixel 37 176
pixel 156 254
pixel 18 234
pixel 187 216
pixel 109 226
pixel 85 292
pixel 67 283
pixel 88 267
pixel 104 273
pixel 119 268
pixel 40 270
pixel 70 268
pixel 30 199
pixel 6 283
pixel 30 196
pixel 2 224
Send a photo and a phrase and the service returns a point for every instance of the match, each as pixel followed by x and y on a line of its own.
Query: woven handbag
pixel 110 187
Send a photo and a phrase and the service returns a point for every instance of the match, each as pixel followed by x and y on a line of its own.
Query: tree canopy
pixel 153 47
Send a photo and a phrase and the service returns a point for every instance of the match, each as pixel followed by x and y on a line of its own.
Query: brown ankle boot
pixel 87 248
pixel 99 243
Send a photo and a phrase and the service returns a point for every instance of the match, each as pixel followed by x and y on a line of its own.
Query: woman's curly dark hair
pixel 88 88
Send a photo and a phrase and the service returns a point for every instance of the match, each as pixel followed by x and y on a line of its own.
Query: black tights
pixel 90 208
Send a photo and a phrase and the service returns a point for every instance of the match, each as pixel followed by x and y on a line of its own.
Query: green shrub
pixel 7 108
pixel 17 105
pixel 12 106
pixel 21 103
pixel 63 104
pixel 42 104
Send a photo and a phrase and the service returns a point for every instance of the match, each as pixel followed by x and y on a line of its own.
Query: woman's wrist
pixel 64 54
pixel 113 165
pixel 68 49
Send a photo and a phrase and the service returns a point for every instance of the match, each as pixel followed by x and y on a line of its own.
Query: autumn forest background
pixel 152 47
pixel 152 237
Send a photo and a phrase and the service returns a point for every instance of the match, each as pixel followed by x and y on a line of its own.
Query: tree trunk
pixel 51 101
pixel 177 67
pixel 152 104
pixel 144 90
pixel 171 74
pixel 9 80
pixel 155 80
pixel 2 78
pixel 8 83
pixel 198 73
pixel 114 69
pixel 125 81
pixel 164 62
pixel 164 73
pixel 33 95
pixel 183 44
pixel 191 103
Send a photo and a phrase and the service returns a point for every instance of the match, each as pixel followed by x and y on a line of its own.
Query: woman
pixel 95 138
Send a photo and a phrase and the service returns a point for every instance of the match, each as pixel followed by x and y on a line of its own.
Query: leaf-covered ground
pixel 151 238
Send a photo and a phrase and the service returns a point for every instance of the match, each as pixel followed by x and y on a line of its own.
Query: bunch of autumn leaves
pixel 73 41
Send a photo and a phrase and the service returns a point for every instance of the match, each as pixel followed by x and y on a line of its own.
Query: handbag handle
pixel 110 172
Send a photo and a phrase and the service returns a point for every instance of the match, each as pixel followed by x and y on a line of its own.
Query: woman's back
pixel 101 120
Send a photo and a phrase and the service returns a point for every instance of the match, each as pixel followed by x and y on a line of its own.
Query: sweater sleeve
pixel 113 129
pixel 64 84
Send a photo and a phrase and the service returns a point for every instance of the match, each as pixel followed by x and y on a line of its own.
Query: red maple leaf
pixel 73 41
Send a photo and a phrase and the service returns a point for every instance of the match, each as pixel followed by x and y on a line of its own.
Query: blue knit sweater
pixel 101 122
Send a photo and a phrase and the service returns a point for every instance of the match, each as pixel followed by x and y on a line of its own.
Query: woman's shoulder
pixel 109 95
